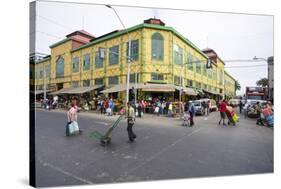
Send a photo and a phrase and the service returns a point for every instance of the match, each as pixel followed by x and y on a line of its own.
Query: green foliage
pixel 262 82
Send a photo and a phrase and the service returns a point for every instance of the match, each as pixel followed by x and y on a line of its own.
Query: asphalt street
pixel 163 150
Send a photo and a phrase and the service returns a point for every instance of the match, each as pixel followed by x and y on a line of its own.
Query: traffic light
pixel 209 64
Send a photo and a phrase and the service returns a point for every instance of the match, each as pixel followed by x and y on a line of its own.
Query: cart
pixel 231 115
pixel 106 138
pixel 186 119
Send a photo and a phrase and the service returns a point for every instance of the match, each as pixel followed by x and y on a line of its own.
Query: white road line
pixel 64 172
pixel 103 123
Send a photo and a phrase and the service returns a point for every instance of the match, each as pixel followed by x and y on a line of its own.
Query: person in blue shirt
pixel 111 106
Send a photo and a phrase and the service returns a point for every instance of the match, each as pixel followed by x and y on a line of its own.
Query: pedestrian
pixel 257 109
pixel 222 109
pixel 111 106
pixel 130 122
pixel 106 105
pixel 208 107
pixel 186 107
pixel 191 112
pixel 72 119
pixel 167 107
pixel 170 109
pixel 204 105
pixel 240 106
pixel 163 105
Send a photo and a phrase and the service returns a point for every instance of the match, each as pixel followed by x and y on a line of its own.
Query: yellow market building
pixel 162 59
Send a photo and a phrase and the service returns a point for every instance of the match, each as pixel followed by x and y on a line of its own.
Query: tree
pixel 237 86
pixel 262 82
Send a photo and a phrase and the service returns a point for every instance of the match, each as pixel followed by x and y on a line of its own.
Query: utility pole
pixel 129 55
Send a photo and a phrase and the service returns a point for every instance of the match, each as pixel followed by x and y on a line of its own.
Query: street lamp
pixel 129 54
pixel 256 58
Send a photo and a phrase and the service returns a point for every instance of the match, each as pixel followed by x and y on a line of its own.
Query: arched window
pixel 157 46
pixel 60 67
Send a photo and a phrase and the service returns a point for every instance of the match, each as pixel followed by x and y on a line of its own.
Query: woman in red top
pixel 222 112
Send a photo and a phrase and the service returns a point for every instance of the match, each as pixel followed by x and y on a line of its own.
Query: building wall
pixel 62 50
pixel 144 66
pixel 229 84
pixel 41 66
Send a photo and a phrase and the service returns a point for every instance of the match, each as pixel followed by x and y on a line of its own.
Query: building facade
pixel 159 54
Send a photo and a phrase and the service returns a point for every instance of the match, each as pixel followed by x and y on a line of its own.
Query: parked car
pixel 199 107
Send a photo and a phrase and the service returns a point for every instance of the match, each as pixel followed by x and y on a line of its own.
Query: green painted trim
pixel 60 42
pixel 123 32
pixel 131 29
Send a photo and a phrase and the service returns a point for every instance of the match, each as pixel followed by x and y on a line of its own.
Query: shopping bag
pixel 73 128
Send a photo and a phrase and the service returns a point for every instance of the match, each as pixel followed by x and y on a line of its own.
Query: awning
pixel 121 87
pixel 152 87
pixel 37 92
pixel 187 90
pixel 81 90
pixel 190 91
pixel 59 91
pixel 214 93
pixel 200 92
pixel 77 90
pixel 158 87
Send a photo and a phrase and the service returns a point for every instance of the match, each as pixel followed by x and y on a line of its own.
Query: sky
pixel 232 36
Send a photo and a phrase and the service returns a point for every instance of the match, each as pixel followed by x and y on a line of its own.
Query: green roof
pixel 166 28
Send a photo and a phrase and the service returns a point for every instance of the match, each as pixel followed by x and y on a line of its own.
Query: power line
pixel 54 22
pixel 243 60
pixel 51 35
pixel 251 66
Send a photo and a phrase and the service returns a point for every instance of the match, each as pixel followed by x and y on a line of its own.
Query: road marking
pixel 103 123
pixel 64 172
pixel 160 152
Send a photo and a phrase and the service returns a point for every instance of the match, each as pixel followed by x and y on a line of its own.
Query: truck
pixel 256 93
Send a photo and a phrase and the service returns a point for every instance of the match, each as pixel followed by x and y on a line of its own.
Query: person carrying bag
pixel 72 127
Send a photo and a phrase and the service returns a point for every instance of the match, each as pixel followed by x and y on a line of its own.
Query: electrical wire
pixel 54 22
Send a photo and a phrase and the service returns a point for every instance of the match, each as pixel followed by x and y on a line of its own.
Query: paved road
pixel 163 150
